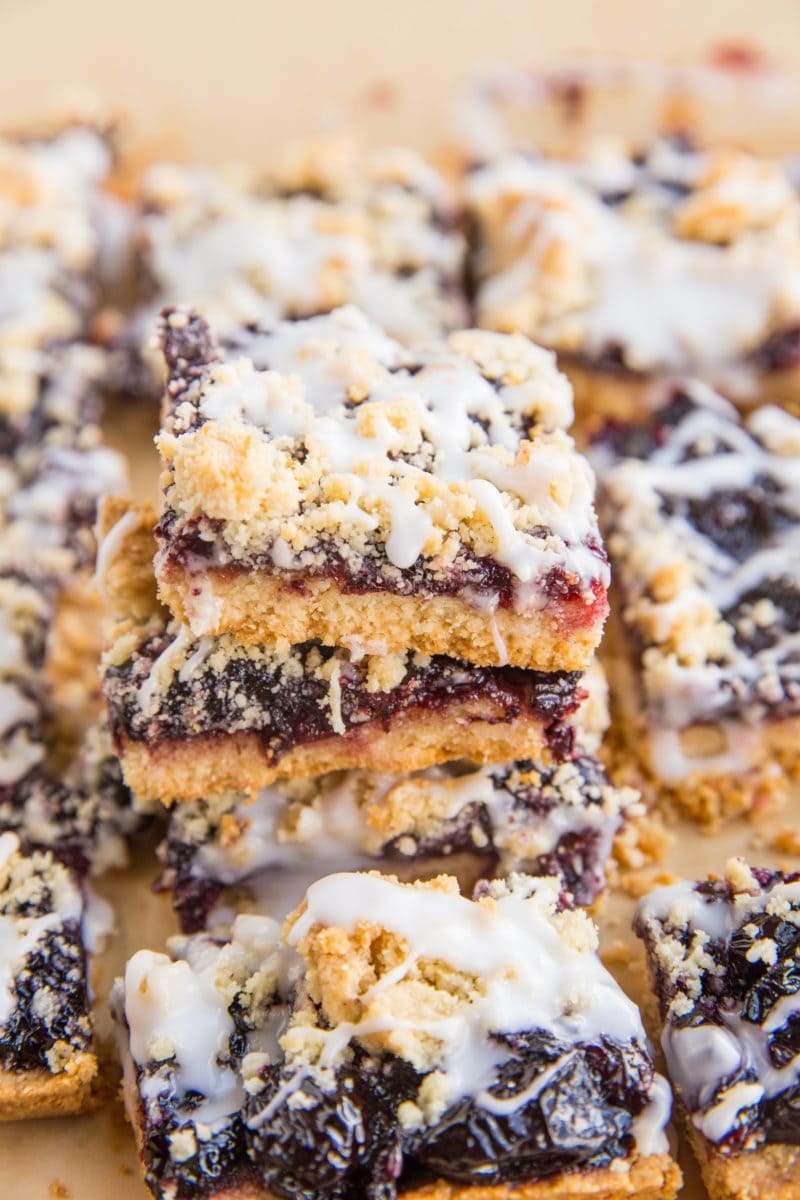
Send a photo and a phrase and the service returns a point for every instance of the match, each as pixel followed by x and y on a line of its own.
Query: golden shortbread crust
pixel 258 607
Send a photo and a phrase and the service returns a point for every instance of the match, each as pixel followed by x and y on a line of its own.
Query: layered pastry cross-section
pixel 394 1040
pixel 320 484
pixel 47 1060
pixel 723 959
pixel 702 515
pixel 195 716
pixel 631 265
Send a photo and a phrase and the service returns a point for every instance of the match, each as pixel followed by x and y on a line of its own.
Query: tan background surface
pixel 240 77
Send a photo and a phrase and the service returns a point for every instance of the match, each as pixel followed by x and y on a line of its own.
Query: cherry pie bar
pixel 702 515
pixel 723 957
pixel 394 1040
pixel 47 1060
pixel 678 260
pixel 319 484
pixel 329 227
pixel 558 820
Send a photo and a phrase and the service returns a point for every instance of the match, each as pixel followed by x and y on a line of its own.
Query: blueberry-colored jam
pixel 287 709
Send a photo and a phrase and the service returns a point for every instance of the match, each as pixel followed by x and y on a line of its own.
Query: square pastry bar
pixel 60 784
pixel 558 820
pixel 678 260
pixel 393 1040
pixel 47 1060
pixel 723 956
pixel 193 716
pixel 320 484
pixel 330 227
pixel 51 235
pixel 702 511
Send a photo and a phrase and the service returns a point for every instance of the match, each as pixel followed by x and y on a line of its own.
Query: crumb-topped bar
pixel 329 227
pixel 47 1062
pixel 558 820
pixel 677 260
pixel 191 717
pixel 50 236
pixel 702 513
pixel 319 484
pixel 394 1040
pixel 723 958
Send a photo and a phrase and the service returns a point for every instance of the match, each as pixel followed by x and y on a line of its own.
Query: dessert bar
pixel 394 1040
pixel 191 717
pixel 702 514
pixel 47 1062
pixel 678 260
pixel 558 820
pixel 723 958
pixel 318 484
pixel 330 227
pixel 50 237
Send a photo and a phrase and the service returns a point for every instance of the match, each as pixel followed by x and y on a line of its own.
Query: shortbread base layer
pixel 29 1094
pixel 767 757
pixel 257 607
pixel 190 768
pixel 601 395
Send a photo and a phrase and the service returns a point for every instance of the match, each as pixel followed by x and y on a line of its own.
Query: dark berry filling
pixel 287 708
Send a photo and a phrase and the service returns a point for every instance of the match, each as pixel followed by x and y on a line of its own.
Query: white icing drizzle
pixel 248 258
pixel 701 1057
pixel 173 1008
pixel 691 665
pixel 678 281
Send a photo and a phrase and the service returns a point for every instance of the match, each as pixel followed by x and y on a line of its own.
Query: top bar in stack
pixel 321 483
pixel 678 260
